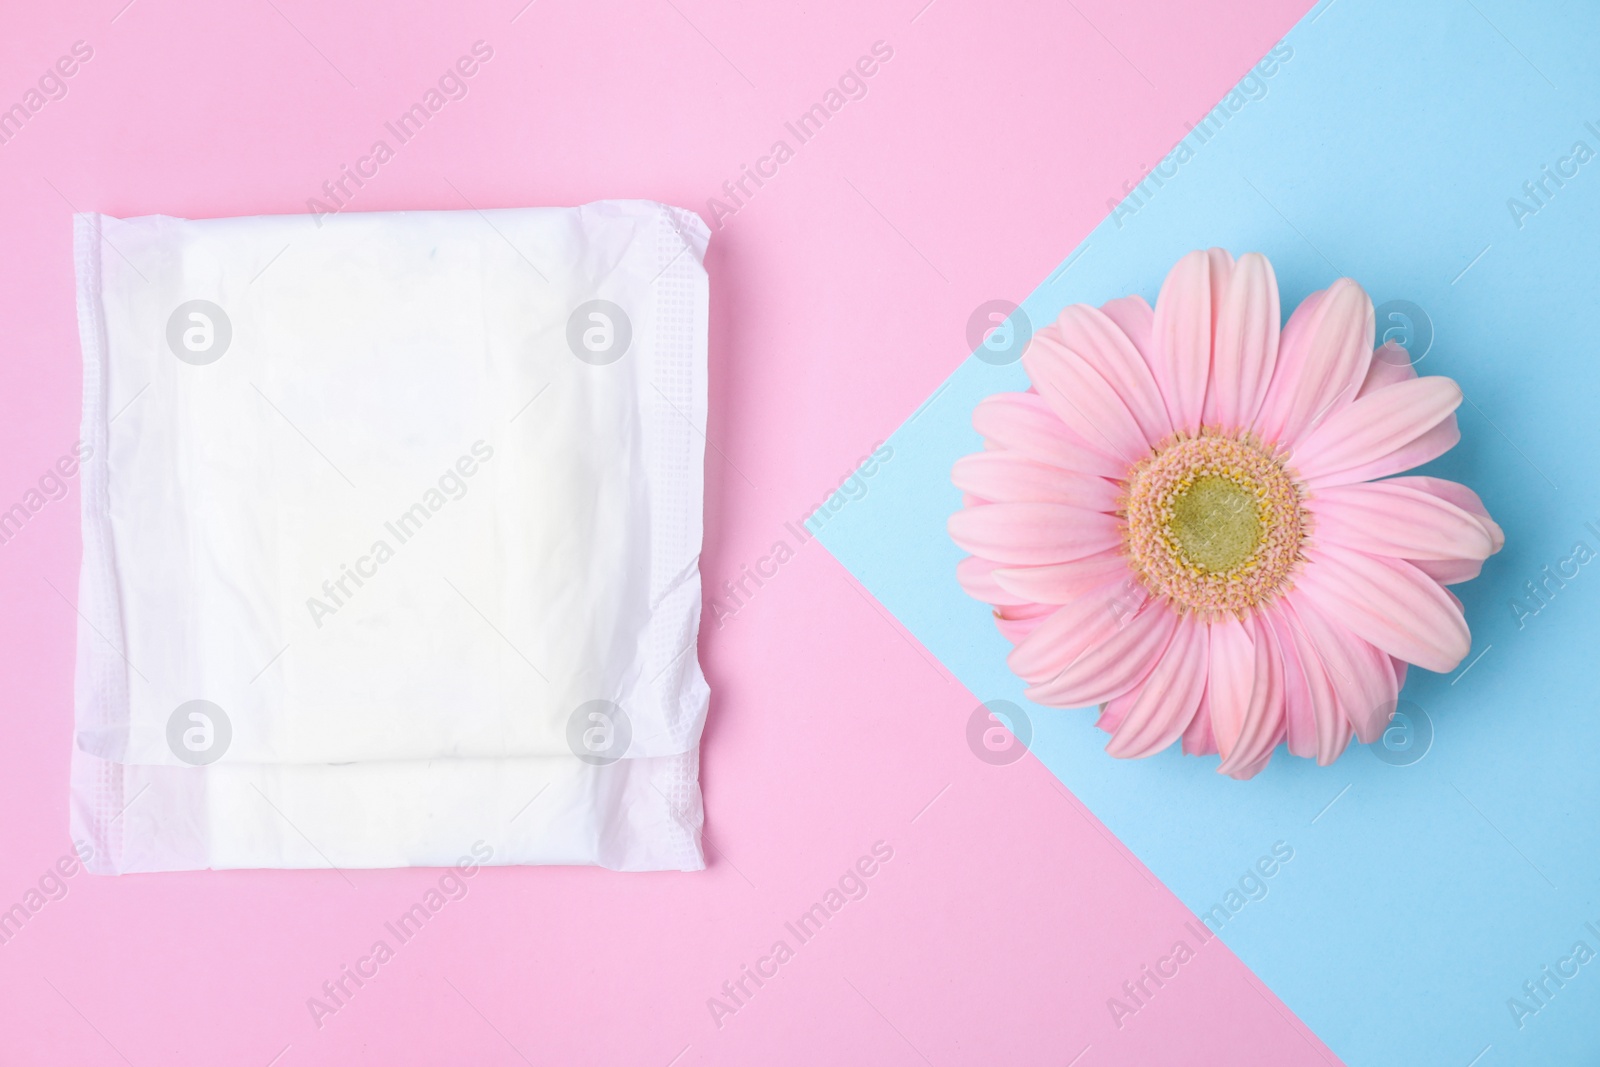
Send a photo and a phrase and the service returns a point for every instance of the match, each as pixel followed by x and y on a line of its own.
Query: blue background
pixel 1385 149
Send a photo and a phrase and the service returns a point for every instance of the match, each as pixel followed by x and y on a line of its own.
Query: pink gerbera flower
pixel 1180 521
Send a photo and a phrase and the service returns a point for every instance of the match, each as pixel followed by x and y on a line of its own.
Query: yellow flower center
pixel 1215 522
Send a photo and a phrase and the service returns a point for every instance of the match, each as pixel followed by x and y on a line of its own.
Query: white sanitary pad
pixel 391 524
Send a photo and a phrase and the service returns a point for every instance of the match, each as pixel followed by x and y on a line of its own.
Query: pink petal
pixel 1431 445
pixel 1449 571
pixel 1461 497
pixel 1362 678
pixel 1080 395
pixel 1231 677
pixel 1263 719
pixel 1389 603
pixel 1323 357
pixel 1385 519
pixel 1016 623
pixel 1161 709
pixel 1102 344
pixel 1198 739
pixel 1009 477
pixel 1109 722
pixel 1073 628
pixel 1031 534
pixel 1330 726
pixel 1374 432
pixel 1332 747
pixel 1024 423
pixel 1222 264
pixel 1118 661
pixel 1246 345
pixel 1062 583
pixel 1249 771
pixel 1136 320
pixel 1391 363
pixel 1182 356
pixel 977 579
pixel 1299 702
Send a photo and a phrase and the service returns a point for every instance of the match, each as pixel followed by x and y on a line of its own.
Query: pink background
pixel 983 152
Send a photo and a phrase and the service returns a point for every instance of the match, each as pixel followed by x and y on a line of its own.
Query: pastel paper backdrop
pixel 1447 155
pixel 841 290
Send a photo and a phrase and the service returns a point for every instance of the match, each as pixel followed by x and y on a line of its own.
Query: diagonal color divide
pixel 1401 142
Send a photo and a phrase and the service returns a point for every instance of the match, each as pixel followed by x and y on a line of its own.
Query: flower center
pixel 1215 522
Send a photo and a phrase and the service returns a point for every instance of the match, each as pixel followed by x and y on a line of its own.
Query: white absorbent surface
pixel 412 503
